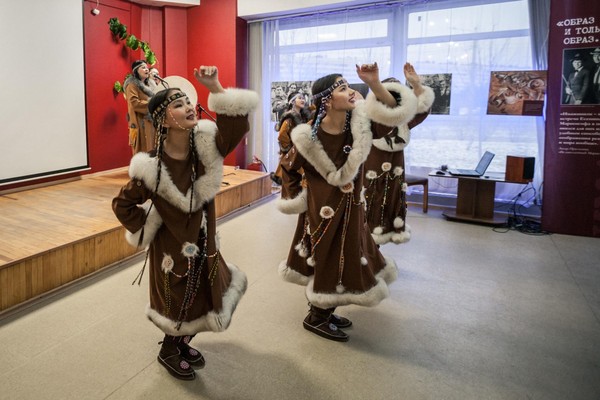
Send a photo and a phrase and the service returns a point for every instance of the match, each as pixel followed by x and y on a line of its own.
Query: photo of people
pixel 581 76
pixel 280 92
pixel 517 93
pixel 440 83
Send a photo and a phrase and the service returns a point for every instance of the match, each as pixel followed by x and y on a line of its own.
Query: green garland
pixel 120 32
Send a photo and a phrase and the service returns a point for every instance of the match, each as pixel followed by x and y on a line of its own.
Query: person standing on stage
pixel 332 252
pixel 138 92
pixel 385 185
pixel 168 205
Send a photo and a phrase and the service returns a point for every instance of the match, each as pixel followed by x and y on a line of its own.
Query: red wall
pixel 181 38
pixel 217 37
pixel 106 61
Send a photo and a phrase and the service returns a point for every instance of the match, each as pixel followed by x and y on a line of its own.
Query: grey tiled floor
pixel 475 314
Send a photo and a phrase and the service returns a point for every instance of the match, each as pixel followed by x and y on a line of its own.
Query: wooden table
pixel 475 199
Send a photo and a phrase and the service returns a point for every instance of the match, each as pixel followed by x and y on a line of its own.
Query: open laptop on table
pixel 483 165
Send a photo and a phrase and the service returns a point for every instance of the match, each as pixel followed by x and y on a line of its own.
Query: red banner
pixel 571 192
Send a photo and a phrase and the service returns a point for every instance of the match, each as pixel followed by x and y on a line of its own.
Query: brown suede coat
pixel 170 230
pixel 385 186
pixel 332 252
pixel 142 135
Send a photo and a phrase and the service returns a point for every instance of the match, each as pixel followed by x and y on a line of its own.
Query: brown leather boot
pixel 317 321
pixel 339 321
pixel 170 358
pixel 190 354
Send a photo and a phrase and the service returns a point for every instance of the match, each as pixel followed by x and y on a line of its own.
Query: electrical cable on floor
pixel 519 222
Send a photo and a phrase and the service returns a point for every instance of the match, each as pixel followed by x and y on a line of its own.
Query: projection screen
pixel 42 100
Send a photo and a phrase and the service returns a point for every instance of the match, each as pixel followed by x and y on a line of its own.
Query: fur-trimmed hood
pixel 313 152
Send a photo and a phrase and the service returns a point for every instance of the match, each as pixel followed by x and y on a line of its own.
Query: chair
pixel 414 180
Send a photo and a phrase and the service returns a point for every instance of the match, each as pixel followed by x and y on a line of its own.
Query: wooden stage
pixel 54 235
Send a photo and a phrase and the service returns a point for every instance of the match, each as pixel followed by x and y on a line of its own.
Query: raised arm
pixel 208 76
pixel 369 74
pixel 413 78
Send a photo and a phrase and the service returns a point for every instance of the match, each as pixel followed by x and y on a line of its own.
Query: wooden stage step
pixel 53 235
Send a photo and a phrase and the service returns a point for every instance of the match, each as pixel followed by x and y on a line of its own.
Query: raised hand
pixel 208 76
pixel 368 73
pixel 413 78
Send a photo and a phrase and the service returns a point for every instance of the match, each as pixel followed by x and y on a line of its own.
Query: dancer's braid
pixel 162 134
pixel 194 161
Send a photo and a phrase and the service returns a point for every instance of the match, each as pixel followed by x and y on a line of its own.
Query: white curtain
pixel 479 37
pixel 539 16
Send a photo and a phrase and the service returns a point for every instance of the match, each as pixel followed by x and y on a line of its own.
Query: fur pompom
pixel 398 222
pixel 167 263
pixel 301 249
pixel 189 250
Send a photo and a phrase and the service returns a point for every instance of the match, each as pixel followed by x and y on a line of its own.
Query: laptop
pixel 483 165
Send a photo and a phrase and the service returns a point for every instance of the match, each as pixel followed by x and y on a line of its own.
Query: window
pixel 467 39
pixel 469 42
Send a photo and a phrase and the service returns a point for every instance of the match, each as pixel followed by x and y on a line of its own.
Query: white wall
pixel 42 106
pixel 256 9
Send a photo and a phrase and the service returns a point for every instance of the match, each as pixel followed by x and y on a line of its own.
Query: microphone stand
pixel 164 83
pixel 200 109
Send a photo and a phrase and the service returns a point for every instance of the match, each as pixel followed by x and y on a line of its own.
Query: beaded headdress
pixel 159 111
pixel 325 95
pixel 327 92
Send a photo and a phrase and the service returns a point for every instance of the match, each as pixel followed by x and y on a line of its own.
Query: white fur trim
pixel 390 272
pixel 425 100
pixel 215 321
pixel 378 230
pixel 370 298
pixel 289 275
pixel 392 116
pixel 401 237
pixel 313 152
pixel 297 205
pixel 392 236
pixel 206 187
pixel 233 102
pixel 153 222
